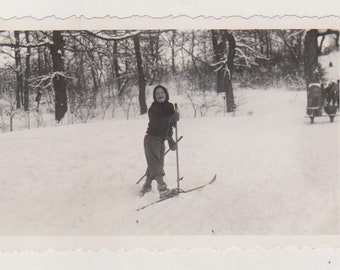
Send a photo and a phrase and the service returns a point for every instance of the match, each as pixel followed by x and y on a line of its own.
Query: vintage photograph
pixel 164 132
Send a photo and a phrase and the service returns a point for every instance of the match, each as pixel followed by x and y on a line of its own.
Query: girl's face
pixel 160 95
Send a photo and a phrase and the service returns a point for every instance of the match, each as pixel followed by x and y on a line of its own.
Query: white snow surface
pixel 276 174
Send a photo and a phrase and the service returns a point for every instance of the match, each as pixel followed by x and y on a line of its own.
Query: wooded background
pixel 81 71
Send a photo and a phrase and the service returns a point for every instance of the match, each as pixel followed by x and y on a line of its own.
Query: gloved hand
pixel 177 116
pixel 176 112
pixel 172 144
pixel 174 117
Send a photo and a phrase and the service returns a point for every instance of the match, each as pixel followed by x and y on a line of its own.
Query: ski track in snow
pixel 276 174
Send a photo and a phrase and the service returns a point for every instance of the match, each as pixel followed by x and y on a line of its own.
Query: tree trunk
pixel 299 46
pixel 255 40
pixel 224 68
pixel 39 62
pixel 219 46
pixel 192 49
pixel 268 41
pixel 18 69
pixel 229 76
pixel 173 54
pixel 59 81
pixel 312 74
pixel 95 87
pixel 116 66
pixel 141 76
pixel 27 73
pixel 155 61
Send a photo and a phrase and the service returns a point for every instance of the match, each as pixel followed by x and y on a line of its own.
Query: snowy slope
pixel 277 174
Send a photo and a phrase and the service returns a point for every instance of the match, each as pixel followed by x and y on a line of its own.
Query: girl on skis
pixel 162 118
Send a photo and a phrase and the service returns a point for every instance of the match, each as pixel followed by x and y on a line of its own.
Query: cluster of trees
pixel 82 70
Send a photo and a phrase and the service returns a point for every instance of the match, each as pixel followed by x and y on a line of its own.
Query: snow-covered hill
pixel 276 174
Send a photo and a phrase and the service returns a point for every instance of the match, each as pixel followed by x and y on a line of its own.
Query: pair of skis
pixel 175 192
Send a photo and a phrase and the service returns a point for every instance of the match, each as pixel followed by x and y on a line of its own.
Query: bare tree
pixel 59 80
pixel 27 73
pixel 141 76
pixel 224 63
pixel 312 52
pixel 116 66
pixel 312 72
pixel 154 56
pixel 18 70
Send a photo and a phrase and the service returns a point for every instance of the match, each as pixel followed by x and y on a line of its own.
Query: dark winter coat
pixel 162 118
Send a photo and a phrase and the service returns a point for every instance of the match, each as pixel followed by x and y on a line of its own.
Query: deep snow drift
pixel 276 174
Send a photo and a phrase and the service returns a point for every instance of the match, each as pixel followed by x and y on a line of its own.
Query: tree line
pixel 81 70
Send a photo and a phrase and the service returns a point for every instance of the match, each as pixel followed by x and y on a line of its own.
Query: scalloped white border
pixel 256 258
pixel 121 244
pixel 162 8
pixel 181 22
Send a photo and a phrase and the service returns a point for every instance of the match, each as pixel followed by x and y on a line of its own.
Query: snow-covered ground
pixel 276 174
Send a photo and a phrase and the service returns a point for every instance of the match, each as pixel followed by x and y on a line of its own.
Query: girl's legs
pixel 154 152
pixel 147 185
pixel 161 185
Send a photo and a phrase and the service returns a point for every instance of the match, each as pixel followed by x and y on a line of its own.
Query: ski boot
pixel 164 193
pixel 145 189
pixel 168 193
pixel 163 190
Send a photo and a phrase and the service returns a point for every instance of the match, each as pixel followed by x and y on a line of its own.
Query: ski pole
pixel 140 179
pixel 177 161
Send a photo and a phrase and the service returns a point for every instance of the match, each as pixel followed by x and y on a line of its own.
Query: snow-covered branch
pixel 27 45
pixel 222 61
pixel 296 33
pixel 256 53
pixel 191 54
pixel 46 81
pixel 245 57
pixel 324 32
pixel 104 36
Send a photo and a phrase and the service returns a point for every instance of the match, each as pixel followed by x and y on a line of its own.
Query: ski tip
pixel 213 179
